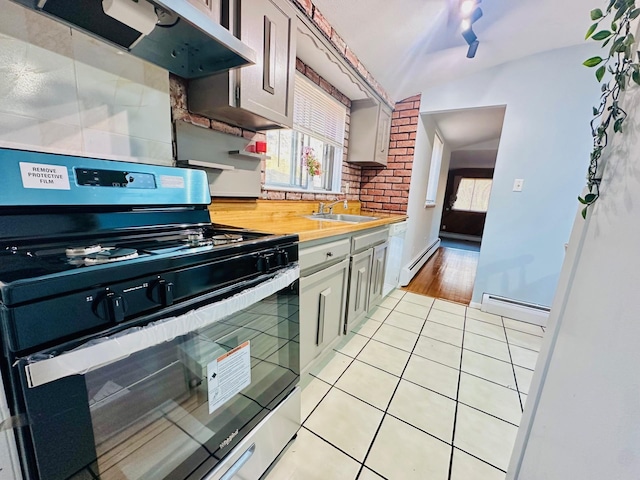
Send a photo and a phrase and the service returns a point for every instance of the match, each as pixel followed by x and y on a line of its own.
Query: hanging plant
pixel 622 68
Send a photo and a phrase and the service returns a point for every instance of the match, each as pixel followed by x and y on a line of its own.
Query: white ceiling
pixel 473 128
pixel 411 44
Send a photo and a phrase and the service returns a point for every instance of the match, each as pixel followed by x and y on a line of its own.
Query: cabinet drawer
pixel 323 254
pixel 362 242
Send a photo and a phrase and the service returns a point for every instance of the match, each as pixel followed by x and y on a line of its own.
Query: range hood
pixel 180 38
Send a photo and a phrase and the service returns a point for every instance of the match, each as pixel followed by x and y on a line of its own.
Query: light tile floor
pixel 424 389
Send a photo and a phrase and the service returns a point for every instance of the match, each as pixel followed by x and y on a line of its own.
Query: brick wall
pixel 387 189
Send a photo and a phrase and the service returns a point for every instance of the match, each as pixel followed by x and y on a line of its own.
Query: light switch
pixel 517 184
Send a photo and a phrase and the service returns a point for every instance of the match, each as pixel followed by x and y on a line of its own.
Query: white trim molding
pixel 408 272
pixel 507 307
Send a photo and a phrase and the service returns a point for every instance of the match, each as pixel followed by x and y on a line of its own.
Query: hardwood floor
pixel 449 275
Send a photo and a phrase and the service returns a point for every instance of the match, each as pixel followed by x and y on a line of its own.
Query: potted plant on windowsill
pixel 311 162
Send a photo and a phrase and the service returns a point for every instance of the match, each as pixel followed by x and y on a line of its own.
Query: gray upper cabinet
pixel 211 8
pixel 369 132
pixel 259 96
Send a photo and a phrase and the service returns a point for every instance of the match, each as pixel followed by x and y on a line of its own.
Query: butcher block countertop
pixel 287 216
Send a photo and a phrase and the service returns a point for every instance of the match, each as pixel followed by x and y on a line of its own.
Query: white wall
pixel 64 92
pixel 424 224
pixel 582 418
pixel 545 140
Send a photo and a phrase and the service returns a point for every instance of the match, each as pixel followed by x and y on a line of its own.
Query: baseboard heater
pixel 407 273
pixel 523 311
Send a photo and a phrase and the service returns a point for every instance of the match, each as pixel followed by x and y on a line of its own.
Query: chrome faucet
pixel 330 206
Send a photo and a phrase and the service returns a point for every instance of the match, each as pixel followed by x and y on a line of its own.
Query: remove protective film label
pixel 171 181
pixel 40 175
pixel 228 375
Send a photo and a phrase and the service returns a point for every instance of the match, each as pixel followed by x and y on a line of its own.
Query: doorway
pixel 472 137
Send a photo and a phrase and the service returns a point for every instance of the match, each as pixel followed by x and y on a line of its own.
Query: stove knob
pixel 110 306
pixel 161 292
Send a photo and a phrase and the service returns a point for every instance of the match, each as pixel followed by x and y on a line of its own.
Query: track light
pixel 466 7
pixel 470 12
pixel 472 49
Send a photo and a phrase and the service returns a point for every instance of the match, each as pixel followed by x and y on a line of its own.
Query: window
pixel 434 170
pixel 473 195
pixel 318 128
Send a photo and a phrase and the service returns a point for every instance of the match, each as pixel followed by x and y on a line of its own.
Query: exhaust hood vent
pixel 184 40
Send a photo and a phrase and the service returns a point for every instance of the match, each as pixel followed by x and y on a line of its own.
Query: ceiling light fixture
pixel 466 7
pixel 470 12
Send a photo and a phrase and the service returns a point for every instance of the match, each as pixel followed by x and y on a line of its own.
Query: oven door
pixel 165 400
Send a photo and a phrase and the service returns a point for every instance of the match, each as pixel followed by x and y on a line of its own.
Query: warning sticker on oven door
pixel 228 375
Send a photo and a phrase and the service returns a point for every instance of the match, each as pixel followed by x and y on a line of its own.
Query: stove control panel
pixel 91 177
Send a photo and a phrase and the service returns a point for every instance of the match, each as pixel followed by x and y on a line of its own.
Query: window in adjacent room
pixel 472 195
pixel 317 139
pixel 434 170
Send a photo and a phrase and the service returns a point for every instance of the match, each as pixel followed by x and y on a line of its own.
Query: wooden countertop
pixel 287 217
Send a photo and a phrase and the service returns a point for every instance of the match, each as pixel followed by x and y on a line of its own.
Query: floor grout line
pixel 513 369
pixel 455 413
pixel 375 435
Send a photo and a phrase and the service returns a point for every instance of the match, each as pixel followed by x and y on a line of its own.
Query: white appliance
pixel 396 245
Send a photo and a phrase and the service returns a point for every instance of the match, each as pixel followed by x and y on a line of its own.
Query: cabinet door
pixel 378 269
pixel 359 279
pixel 382 137
pixel 266 88
pixel 322 307
pixel 209 7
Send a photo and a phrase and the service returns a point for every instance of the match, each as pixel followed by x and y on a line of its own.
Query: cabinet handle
pixel 361 273
pixel 321 313
pixel 269 57
pixel 329 254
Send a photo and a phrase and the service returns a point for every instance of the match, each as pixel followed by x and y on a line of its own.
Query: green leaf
pixel 615 45
pixel 634 13
pixel 635 76
pixel 620 12
pixel 592 29
pixel 617 126
pixel 593 61
pixel 590 198
pixel 601 35
pixel 600 73
pixel 596 14
pixel 629 39
pixel 595 111
pixel 582 200
pixel 614 26
pixel 584 212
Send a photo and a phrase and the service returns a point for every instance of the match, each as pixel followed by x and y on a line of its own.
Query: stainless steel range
pixel 139 340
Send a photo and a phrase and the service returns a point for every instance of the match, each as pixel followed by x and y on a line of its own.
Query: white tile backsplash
pixel 65 92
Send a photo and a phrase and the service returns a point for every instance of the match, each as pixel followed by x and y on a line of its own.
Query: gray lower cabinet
pixel 359 280
pixel 378 270
pixel 324 269
pixel 322 302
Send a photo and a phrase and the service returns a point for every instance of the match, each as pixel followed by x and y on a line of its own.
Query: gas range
pixel 123 307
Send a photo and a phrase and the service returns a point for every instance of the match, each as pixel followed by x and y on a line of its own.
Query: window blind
pixel 317 113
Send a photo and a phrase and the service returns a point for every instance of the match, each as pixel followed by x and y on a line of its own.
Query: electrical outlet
pixel 518 183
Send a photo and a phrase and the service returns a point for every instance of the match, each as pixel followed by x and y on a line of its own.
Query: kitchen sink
pixel 341 217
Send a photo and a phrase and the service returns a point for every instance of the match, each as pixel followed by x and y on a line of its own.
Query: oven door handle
pixel 106 350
